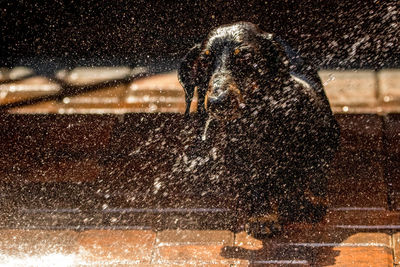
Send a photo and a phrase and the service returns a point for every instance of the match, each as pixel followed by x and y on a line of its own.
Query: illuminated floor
pixel 71 192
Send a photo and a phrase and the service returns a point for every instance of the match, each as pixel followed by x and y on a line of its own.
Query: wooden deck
pixel 72 190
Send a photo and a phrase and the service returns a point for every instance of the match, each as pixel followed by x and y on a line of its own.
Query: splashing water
pixel 56 259
pixel 204 136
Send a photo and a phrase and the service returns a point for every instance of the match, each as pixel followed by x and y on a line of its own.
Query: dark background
pixel 54 34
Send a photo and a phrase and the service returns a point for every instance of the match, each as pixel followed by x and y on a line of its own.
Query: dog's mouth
pixel 227 105
pixel 225 115
pixel 229 110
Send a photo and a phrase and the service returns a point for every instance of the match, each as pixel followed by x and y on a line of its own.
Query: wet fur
pixel 276 155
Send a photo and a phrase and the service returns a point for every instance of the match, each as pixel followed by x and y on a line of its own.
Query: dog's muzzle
pixel 223 97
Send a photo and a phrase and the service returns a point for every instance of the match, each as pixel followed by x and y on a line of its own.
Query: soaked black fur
pixel 272 131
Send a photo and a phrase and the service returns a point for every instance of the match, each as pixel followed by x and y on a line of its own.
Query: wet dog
pixel 280 133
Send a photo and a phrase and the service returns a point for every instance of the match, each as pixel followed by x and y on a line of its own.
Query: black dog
pixel 280 133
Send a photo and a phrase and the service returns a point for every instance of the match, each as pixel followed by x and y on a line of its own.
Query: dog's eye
pixel 236 52
pixel 205 60
pixel 206 56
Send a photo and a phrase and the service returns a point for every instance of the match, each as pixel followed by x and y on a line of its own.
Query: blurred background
pixel 57 34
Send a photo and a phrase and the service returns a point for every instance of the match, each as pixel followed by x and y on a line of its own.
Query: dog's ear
pixel 188 74
pixel 276 54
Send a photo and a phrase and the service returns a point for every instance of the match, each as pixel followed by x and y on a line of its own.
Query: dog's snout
pixel 220 80
pixel 223 96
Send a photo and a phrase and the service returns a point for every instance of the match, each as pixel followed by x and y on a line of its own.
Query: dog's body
pixel 280 131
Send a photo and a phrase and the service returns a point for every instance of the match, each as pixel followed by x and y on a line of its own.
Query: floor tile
pixel 91 75
pixel 357 180
pixel 27 88
pixel 361 131
pixel 17 243
pixel 392 158
pixel 363 257
pixel 192 254
pixel 396 247
pixel 177 237
pixel 347 88
pixel 389 88
pixel 135 246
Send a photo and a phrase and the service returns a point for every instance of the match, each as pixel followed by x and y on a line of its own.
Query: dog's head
pixel 233 65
